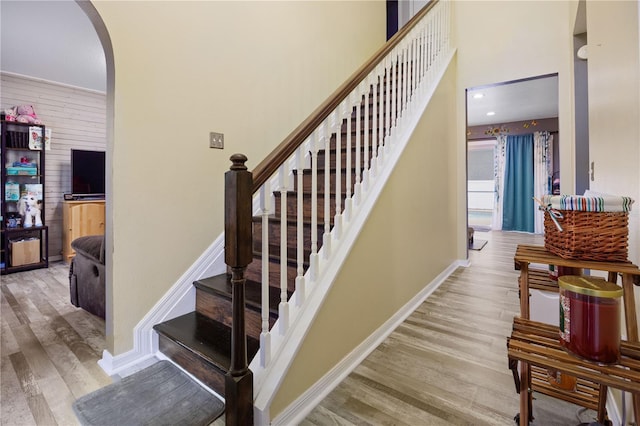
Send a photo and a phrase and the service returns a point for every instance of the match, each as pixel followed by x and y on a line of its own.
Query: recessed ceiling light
pixel 490 113
pixel 478 96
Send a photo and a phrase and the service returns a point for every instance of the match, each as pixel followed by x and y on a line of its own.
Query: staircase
pixel 200 341
pixel 336 155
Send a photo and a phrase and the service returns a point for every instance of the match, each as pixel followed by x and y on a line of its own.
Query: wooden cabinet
pixel 23 232
pixel 80 218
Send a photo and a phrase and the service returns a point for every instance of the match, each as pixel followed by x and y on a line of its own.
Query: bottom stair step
pixel 201 346
pixel 213 299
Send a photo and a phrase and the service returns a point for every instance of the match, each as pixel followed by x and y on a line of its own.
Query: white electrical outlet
pixel 216 140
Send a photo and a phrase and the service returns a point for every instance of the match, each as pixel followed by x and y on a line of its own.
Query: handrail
pixel 287 147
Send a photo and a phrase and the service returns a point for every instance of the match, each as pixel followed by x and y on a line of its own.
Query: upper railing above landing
pixel 286 149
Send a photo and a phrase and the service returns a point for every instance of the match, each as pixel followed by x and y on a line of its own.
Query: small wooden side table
pixel 536 345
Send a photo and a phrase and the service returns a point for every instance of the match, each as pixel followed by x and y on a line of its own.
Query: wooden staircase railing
pixel 297 137
pixel 360 122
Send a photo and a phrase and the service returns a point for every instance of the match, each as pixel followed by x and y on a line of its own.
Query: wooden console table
pixel 536 345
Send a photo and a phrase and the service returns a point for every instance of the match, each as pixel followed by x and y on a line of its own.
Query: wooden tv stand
pixel 80 218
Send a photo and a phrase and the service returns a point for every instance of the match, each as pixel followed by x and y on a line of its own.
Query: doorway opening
pixel 501 112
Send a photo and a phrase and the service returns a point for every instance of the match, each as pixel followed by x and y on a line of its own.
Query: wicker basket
pixel 601 236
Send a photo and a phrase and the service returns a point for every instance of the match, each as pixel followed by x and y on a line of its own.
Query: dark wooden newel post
pixel 238 254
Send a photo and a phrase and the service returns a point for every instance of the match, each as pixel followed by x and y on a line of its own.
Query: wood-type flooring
pixel 49 349
pixel 445 365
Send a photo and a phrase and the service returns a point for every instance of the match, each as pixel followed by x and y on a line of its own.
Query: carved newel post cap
pixel 238 161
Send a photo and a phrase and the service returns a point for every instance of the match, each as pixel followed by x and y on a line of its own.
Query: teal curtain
pixel 518 210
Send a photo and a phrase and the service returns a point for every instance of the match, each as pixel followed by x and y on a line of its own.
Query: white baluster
pixel 337 220
pixel 283 308
pixel 423 52
pixel 313 258
pixel 326 236
pixel 394 93
pixel 411 74
pixel 414 64
pixel 448 30
pixel 358 165
pixel 433 44
pixel 265 335
pixel 418 58
pixel 366 139
pixel 405 99
pixel 380 112
pixel 348 202
pixel 437 35
pixel 400 83
pixel 301 288
pixel 374 127
pixel 388 122
pixel 427 48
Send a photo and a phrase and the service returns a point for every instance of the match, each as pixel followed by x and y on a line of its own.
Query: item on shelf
pixel 26 114
pixel 16 139
pixel 35 138
pixel 553 272
pixel 561 380
pixel 35 189
pixel 25 251
pixel 590 318
pixel 30 210
pixel 556 271
pixel 24 162
pixel 30 171
pixel 589 227
pixel 10 114
pixel 11 191
pixel 14 220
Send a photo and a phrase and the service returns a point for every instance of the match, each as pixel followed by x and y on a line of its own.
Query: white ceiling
pixel 53 40
pixel 522 100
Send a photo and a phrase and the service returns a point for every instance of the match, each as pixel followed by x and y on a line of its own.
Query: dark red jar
pixel 590 318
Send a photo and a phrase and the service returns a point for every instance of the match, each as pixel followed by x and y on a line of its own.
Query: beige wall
pixel 411 230
pixel 614 104
pixel 251 70
pixel 501 41
pixel 614 110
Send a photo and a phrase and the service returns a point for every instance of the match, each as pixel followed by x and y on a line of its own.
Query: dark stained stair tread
pixel 221 286
pixel 209 339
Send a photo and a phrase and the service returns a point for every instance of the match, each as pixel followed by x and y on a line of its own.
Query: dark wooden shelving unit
pixel 14 145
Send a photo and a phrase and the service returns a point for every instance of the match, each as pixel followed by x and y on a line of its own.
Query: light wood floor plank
pixel 34 353
pixel 14 306
pixel 14 407
pixel 28 383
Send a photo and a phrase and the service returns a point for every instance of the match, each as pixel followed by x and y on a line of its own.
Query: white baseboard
pixel 179 300
pixel 306 402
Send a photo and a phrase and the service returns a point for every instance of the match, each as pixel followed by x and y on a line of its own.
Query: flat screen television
pixel 87 173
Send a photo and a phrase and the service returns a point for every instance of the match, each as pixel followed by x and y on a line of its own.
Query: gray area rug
pixel 161 394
